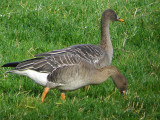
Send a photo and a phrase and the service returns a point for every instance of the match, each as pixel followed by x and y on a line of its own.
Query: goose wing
pixel 91 53
pixel 48 64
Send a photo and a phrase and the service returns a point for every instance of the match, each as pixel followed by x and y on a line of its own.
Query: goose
pixel 44 65
pixel 66 72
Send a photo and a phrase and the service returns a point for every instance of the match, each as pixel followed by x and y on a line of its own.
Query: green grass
pixel 31 27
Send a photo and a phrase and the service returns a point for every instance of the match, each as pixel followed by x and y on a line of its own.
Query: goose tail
pixel 12 64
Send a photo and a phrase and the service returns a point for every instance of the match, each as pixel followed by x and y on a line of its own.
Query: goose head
pixel 110 15
pixel 120 82
pixel 118 78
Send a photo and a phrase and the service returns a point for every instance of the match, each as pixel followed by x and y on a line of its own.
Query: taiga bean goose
pixel 76 66
pixel 66 72
pixel 98 55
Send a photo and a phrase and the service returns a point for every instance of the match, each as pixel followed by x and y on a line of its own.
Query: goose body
pixel 65 72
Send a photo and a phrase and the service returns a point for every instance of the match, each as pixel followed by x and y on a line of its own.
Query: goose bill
pixel 121 20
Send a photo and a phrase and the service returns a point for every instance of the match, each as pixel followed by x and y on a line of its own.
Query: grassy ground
pixel 31 27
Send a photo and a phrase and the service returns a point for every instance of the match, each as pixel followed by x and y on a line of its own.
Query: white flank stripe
pixel 37 77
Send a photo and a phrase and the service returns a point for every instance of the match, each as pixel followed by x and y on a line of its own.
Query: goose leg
pixel 63 96
pixel 44 93
pixel 124 93
pixel 86 88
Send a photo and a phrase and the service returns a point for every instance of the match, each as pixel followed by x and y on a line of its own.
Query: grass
pixel 31 27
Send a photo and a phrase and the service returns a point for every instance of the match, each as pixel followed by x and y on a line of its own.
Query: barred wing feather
pixel 91 53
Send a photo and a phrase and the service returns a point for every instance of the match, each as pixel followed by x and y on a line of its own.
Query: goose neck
pixel 106 43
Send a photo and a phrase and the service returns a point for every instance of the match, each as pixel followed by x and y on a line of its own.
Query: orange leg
pixel 86 88
pixel 63 96
pixel 44 93
pixel 124 92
